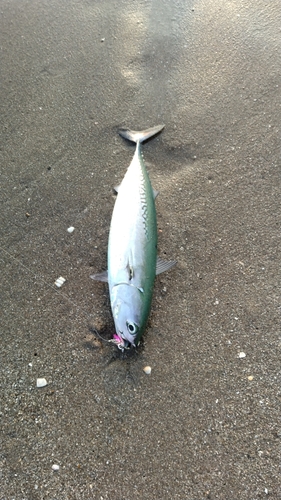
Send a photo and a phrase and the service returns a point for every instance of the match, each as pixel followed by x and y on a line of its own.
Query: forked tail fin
pixel 143 135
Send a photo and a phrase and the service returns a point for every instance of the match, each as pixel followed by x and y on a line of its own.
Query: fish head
pixel 126 309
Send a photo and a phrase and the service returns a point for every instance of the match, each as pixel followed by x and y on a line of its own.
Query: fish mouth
pixel 120 342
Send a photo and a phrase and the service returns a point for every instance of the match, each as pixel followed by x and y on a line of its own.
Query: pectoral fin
pixel 164 265
pixel 100 276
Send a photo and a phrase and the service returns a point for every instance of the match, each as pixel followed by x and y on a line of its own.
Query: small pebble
pixel 60 281
pixel 70 229
pixel 250 377
pixel 147 370
pixel 242 355
pixel 41 382
pixel 55 467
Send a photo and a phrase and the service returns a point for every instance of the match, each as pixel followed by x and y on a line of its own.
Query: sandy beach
pixel 205 423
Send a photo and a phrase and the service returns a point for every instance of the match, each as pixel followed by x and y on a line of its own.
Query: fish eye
pixel 132 328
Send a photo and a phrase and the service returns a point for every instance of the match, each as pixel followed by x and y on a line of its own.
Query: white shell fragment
pixel 242 355
pixel 55 467
pixel 147 370
pixel 60 281
pixel 70 229
pixel 41 382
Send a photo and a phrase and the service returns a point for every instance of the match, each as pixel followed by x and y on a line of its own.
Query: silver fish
pixel 132 248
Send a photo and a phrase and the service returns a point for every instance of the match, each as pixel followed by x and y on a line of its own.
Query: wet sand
pixel 206 423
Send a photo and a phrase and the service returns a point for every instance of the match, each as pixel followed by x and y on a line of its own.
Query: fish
pixel 132 248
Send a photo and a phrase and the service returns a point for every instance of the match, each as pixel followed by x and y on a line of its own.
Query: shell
pixel 60 281
pixel 41 382
pixel 147 370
